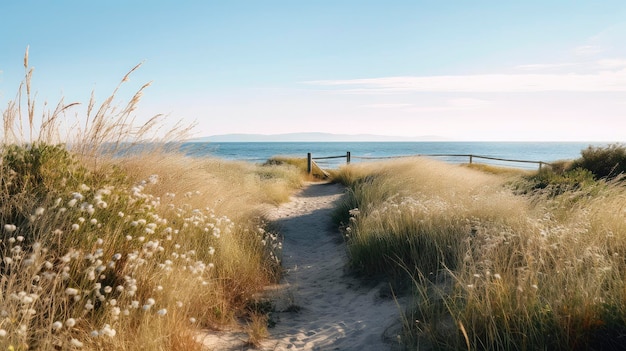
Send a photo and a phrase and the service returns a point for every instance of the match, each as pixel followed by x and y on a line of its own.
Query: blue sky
pixel 464 70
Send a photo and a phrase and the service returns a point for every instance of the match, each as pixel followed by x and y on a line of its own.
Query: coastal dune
pixel 318 305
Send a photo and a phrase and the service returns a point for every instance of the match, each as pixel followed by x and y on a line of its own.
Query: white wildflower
pixel 71 291
pixel 108 331
pixel 76 343
pixel 115 311
pixel 70 322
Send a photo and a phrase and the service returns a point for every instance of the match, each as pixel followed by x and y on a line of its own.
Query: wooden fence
pixel 348 156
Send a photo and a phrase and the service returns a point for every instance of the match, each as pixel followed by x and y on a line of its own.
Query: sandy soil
pixel 318 305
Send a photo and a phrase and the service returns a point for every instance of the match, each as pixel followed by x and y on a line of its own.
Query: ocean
pixel 259 152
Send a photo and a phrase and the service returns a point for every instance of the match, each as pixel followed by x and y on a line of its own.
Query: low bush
pixel 604 162
pixel 552 183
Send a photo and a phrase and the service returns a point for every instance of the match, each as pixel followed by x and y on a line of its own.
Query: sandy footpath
pixel 318 305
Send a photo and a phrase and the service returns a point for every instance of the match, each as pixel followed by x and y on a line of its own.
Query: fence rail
pixel 348 156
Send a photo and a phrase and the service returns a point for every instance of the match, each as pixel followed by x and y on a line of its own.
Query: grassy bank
pixel 125 253
pixel 496 261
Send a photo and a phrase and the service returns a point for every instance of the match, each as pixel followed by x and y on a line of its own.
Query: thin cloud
pixel 606 81
pixel 459 104
pixel 468 103
pixel 387 105
pixel 546 66
pixel 612 63
pixel 587 50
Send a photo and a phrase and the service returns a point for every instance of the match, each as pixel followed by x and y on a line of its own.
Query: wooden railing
pixel 348 156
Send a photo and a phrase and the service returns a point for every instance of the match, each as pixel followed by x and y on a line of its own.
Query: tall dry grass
pixel 491 269
pixel 416 211
pixel 100 251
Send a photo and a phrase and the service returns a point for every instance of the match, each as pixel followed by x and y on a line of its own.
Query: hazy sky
pixel 467 70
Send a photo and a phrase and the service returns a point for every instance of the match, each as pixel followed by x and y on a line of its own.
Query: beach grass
pixel 106 247
pixel 495 262
pixel 316 173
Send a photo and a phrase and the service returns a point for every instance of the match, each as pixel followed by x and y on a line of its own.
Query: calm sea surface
pixel 367 151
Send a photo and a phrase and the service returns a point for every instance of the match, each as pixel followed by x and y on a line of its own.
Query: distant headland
pixel 312 137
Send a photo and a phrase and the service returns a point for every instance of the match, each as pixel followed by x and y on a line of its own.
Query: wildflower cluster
pixel 89 259
pixel 86 264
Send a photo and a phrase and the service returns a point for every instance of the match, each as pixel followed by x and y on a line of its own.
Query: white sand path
pixel 334 311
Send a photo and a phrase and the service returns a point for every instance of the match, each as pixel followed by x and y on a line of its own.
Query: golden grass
pixel 125 253
pixel 492 269
pixel 257 329
pixel 500 170
pixel 301 164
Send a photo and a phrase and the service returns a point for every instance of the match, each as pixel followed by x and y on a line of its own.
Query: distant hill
pixel 311 137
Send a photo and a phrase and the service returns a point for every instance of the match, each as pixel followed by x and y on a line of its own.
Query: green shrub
pixel 553 184
pixel 604 162
pixel 39 168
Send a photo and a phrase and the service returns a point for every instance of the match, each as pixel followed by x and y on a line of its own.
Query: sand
pixel 319 305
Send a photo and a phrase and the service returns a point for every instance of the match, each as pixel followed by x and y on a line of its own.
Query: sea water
pixel 259 152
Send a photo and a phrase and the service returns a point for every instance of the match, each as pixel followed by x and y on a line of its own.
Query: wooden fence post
pixel 309 163
pixel 471 156
pixel 348 157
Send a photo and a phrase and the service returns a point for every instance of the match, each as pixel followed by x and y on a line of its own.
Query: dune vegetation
pixel 497 261
pixel 106 247
pixel 109 241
